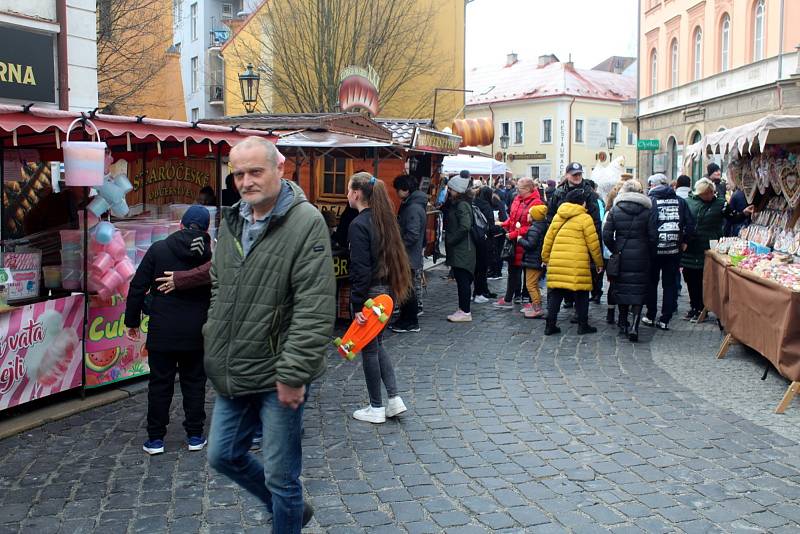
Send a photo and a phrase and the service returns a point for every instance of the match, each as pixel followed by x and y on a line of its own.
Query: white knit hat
pixel 459 184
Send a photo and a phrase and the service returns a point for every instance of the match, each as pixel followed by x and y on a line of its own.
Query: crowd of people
pixel 580 245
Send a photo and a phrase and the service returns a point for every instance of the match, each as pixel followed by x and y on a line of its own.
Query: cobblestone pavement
pixel 507 431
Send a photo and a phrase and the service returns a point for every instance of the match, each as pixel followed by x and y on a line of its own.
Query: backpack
pixel 479 225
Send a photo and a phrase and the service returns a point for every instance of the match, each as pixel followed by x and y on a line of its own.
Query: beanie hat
pixel 576 196
pixel 538 212
pixel 196 215
pixel 712 168
pixel 459 184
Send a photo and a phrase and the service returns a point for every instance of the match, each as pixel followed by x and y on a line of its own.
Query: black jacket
pixel 560 195
pixel 177 318
pixel 488 212
pixel 363 258
pixel 532 245
pixel 627 230
pixel 671 220
pixel 412 219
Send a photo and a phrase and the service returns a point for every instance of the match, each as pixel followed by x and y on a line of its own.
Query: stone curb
pixel 47 414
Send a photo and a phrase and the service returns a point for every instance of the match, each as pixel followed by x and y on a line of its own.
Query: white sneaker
pixel 460 317
pixel 480 299
pixel 395 407
pixel 371 414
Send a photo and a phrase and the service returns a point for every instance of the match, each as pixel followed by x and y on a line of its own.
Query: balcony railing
pixel 219 38
pixel 733 81
pixel 216 94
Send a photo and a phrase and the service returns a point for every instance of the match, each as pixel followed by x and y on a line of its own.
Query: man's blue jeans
pixel 276 481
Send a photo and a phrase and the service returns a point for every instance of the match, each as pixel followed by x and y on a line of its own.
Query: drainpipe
pixel 780 45
pixel 61 47
pixel 638 169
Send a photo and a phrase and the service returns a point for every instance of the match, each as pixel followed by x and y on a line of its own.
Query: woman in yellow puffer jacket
pixel 570 247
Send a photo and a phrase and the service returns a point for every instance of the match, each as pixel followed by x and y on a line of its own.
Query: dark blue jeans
pixel 667 269
pixel 276 481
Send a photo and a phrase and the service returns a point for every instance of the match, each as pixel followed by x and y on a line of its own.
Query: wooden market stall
pixel 58 334
pixel 752 282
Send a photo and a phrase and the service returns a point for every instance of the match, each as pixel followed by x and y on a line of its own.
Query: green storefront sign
pixel 648 144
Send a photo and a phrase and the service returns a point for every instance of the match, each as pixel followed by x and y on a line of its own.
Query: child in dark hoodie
pixel 532 257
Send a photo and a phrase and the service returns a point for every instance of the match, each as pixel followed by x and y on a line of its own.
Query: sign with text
pixel 110 355
pixel 171 181
pixel 40 350
pixel 536 155
pixel 27 65
pixel 597 130
pixel 427 140
pixel 647 144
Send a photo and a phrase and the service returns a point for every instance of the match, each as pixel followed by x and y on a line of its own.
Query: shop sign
pixel 537 155
pixel 648 144
pixel 428 140
pixel 341 266
pixel 110 355
pixel 27 65
pixel 40 350
pixel 172 181
pixel 358 89
pixel 25 269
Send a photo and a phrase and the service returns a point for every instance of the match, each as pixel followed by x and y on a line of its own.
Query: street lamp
pixel 248 82
pixel 504 148
pixel 611 142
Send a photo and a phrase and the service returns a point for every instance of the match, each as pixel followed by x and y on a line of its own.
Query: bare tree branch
pixel 302 46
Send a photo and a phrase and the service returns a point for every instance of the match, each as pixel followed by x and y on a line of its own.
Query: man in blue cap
pixel 174 334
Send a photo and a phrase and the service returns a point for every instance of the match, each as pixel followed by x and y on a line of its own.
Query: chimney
pixel 546 59
pixel 617 65
pixel 569 65
pixel 511 59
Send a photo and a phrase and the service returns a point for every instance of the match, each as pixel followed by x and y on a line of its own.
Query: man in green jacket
pixel 269 324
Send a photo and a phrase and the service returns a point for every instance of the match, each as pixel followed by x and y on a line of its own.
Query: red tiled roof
pixel 526 80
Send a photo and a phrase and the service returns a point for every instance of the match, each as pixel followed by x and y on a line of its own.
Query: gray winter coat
pixel 412 219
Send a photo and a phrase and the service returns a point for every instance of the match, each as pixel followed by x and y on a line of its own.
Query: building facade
pixel 553 113
pixel 710 65
pixel 49 53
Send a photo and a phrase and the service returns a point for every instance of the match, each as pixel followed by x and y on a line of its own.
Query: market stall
pixel 70 246
pixel 752 281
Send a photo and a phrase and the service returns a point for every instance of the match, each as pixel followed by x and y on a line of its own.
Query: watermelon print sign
pixel 110 355
pixel 40 350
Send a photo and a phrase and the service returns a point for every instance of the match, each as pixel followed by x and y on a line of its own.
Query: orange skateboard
pixel 377 310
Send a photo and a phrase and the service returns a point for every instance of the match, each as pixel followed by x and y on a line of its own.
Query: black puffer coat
pixel 532 245
pixel 627 230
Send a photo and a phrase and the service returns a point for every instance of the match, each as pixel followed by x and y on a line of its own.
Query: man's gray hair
pixel 658 179
pixel 270 150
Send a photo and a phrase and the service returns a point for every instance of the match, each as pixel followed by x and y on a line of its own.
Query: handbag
pixel 507 252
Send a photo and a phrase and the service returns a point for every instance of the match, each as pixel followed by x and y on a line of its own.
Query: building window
pixel 540 172
pixel 193 21
pixel 518 133
pixel 653 72
pixel 698 54
pixel 227 11
pixel 758 32
pixel 615 132
pixel 177 12
pixel 334 176
pixel 725 44
pixel 674 64
pixel 547 131
pixel 631 137
pixel 579 130
pixel 195 74
pixel 195 114
pixel 505 129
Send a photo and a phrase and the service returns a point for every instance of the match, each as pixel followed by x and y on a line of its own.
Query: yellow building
pixel 553 113
pixel 444 33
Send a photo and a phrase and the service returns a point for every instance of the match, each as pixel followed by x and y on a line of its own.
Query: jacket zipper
pixel 240 250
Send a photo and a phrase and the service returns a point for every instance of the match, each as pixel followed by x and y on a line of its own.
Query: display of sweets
pixel 769 227
pixel 775 267
pixel 733 246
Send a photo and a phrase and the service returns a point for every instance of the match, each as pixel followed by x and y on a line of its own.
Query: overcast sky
pixel 591 30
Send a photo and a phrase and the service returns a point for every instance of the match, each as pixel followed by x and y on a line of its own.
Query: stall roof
pixel 314 139
pixel 22 126
pixel 352 124
pixel 403 129
pixel 474 164
pixel 772 129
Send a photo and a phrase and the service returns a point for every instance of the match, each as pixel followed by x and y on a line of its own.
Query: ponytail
pixel 393 264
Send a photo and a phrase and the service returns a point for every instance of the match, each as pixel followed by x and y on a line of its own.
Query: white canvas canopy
pixel 772 129
pixel 480 165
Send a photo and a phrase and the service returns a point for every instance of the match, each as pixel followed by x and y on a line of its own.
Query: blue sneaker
pixel 196 443
pixel 153 446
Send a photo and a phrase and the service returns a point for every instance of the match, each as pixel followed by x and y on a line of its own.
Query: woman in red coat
pixel 516 226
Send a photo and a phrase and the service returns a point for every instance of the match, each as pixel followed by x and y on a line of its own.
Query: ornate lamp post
pixel 504 148
pixel 611 142
pixel 248 82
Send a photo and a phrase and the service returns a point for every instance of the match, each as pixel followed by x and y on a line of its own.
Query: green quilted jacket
pixel 272 313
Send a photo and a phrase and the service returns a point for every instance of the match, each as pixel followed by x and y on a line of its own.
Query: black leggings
pixel 464 282
pixel 481 266
pixel 514 286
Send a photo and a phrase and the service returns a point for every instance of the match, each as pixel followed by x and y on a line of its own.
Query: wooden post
pixel 794 388
pixel 727 341
pixel 703 315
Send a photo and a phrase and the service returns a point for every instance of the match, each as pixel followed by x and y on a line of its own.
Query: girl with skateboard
pixel 378 264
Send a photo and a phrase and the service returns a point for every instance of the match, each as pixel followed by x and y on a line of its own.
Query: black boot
pixel 610 316
pixel 622 321
pixel 585 328
pixel 633 334
pixel 550 328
